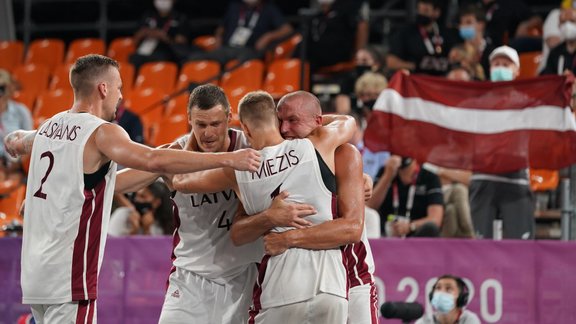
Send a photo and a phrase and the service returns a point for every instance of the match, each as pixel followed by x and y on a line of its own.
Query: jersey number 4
pixel 50 157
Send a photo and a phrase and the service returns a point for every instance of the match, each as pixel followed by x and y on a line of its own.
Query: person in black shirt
pixel 562 58
pixel 404 189
pixel 423 47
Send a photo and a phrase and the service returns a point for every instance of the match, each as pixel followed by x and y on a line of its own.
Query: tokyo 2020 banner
pixel 530 282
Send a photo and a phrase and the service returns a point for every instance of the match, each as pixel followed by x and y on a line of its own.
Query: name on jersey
pixel 54 130
pixel 212 198
pixel 276 165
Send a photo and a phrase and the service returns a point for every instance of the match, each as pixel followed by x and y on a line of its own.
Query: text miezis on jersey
pixel 277 164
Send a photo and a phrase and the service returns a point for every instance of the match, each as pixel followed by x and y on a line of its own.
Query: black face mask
pixel 361 69
pixel 422 20
pixel 369 104
pixel 2 90
pixel 142 207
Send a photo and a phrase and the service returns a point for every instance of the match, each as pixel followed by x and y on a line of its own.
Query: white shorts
pixel 78 312
pixel 363 304
pixel 322 308
pixel 191 298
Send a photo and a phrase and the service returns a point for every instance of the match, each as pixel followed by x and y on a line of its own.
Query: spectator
pixel 511 21
pixel 415 203
pixel 367 59
pixel 423 46
pixel 162 36
pixel 477 46
pixel 368 88
pixel 506 197
pixel 333 32
pixel 561 58
pixel 449 297
pixel 13 116
pixel 150 213
pixel 247 30
pixel 459 73
pixel 551 35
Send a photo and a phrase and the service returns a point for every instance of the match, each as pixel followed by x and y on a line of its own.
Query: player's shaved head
pixel 303 100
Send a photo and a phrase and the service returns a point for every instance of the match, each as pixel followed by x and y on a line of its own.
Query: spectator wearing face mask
pixel 561 59
pixel 149 213
pixel 476 45
pixel 449 297
pixel 423 46
pixel 367 59
pixel 504 198
pixel 551 35
pixel 162 36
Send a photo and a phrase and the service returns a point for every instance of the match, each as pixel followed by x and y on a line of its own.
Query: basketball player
pixel 211 280
pixel 70 187
pixel 300 114
pixel 300 285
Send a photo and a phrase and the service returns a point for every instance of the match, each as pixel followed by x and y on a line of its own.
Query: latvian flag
pixel 490 127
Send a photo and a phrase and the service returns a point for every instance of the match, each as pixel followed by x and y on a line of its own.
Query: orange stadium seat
pixel 248 77
pixel 169 128
pixel 159 75
pixel 32 78
pixel 48 51
pixel 198 71
pixel 529 62
pixel 285 49
pixel 60 77
pixel 283 77
pixel 121 48
pixel 543 180
pixel 11 54
pixel 178 105
pixel 26 98
pixel 205 42
pixel 84 46
pixel 234 97
pixel 146 103
pixel 51 102
pixel 127 72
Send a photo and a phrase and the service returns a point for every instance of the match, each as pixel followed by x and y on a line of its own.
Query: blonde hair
pixel 372 81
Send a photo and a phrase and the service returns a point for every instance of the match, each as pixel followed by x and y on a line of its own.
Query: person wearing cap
pixel 408 198
pixel 551 35
pixel 561 58
pixel 502 198
pixel 13 116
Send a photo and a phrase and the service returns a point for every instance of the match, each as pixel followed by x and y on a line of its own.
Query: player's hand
pixel 286 214
pixel 275 243
pixel 246 160
pixel 368 186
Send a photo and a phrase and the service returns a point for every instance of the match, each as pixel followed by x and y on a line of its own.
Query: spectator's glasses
pixel 2 90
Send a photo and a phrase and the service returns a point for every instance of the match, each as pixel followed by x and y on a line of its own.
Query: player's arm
pixel 246 228
pixel 113 142
pixel 132 180
pixel 19 142
pixel 338 128
pixel 347 228
pixel 205 181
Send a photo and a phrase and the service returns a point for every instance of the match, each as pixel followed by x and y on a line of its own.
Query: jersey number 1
pixel 50 156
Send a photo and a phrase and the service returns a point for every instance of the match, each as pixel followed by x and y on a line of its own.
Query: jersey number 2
pixel 50 156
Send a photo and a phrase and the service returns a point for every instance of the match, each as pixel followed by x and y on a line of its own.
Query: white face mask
pixel 568 30
pixel 250 2
pixel 163 5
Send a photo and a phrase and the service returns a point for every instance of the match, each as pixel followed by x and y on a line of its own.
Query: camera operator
pixel 449 297
pixel 409 198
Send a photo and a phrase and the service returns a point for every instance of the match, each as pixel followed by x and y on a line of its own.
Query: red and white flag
pixel 490 127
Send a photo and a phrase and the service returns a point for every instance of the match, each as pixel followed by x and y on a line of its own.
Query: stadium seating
pixel 121 48
pixel 283 77
pixel 159 75
pixel 169 128
pixel 205 42
pixel 84 46
pixel 11 54
pixel 529 63
pixel 47 51
pixel 60 77
pixel 51 102
pixel 32 78
pixel 199 72
pixel 247 77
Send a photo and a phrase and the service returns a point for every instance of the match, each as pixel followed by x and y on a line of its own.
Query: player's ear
pixel 102 89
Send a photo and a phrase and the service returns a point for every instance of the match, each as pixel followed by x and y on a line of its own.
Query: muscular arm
pixel 347 228
pixel 246 229
pixel 113 142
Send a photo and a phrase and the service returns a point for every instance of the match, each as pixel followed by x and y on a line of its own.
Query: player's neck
pixel 265 137
pixel 84 106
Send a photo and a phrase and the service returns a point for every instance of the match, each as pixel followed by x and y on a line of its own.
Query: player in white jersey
pixel 70 187
pixel 211 279
pixel 300 114
pixel 301 285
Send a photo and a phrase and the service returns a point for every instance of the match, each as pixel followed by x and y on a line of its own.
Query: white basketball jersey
pixel 297 274
pixel 202 241
pixel 65 224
